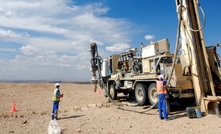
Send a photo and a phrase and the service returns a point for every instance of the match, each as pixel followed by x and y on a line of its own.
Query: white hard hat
pixel 57 85
pixel 160 77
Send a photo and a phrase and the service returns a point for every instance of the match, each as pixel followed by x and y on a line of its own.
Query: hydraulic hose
pixel 177 44
pixel 131 110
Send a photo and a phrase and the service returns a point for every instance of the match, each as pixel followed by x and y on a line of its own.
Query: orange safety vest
pixel 161 88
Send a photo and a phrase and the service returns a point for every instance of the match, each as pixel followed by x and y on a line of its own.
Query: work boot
pixel 55 118
pixel 52 117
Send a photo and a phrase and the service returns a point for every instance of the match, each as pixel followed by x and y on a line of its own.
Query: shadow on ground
pixel 69 117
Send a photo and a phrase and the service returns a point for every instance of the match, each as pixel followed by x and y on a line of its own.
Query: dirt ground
pixel 86 112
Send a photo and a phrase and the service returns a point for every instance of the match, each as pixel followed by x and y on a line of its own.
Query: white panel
pixel 148 51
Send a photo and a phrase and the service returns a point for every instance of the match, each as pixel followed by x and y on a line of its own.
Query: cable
pixel 204 22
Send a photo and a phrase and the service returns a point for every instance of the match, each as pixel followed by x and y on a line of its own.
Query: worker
pixel 162 104
pixel 56 100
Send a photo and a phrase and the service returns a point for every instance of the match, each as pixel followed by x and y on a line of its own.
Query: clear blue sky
pixel 49 39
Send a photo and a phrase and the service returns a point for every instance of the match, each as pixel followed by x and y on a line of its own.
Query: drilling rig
pixel 193 75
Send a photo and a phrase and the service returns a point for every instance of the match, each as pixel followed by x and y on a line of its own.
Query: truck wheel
pixel 152 94
pixel 112 92
pixel 140 94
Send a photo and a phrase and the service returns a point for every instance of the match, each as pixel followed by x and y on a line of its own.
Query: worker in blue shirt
pixel 56 100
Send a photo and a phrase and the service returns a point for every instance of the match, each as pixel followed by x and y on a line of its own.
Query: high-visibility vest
pixel 161 88
pixel 55 98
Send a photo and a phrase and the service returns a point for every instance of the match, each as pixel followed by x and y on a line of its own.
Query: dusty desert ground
pixel 86 112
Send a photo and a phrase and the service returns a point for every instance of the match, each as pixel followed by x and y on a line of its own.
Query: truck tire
pixel 112 92
pixel 152 93
pixel 141 94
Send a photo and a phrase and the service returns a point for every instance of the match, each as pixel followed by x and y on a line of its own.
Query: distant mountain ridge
pixel 43 81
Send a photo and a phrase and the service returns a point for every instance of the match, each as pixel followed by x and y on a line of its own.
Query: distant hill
pixel 43 81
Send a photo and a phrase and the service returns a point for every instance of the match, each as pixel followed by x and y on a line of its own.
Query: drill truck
pixel 192 75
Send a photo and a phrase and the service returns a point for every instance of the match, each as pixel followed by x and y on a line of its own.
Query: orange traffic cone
pixel 13 107
pixel 99 91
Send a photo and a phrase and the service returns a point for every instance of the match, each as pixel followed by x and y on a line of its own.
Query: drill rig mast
pixel 194 53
